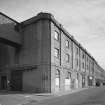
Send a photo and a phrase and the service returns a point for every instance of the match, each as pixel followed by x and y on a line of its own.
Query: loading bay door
pixel 16 80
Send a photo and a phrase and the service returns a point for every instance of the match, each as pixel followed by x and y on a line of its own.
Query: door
pixel 76 83
pixel 3 82
pixel 57 80
pixel 83 81
pixel 16 80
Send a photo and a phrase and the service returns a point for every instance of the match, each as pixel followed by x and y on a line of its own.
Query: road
pixel 92 96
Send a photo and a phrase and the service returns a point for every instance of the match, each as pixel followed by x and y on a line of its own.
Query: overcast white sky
pixel 84 19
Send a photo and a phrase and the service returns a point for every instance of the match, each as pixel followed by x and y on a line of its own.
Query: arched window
pixel 68 76
pixel 57 73
pixel 68 81
pixel 77 76
pixel 57 80
pixel 67 57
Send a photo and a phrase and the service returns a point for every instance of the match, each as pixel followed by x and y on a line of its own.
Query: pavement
pixel 16 98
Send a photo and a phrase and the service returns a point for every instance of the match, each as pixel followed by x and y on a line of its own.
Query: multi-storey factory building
pixel 39 55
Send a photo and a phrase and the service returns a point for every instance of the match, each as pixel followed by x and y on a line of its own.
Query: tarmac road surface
pixel 91 96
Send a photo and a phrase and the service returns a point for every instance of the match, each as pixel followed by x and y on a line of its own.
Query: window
pixel 57 73
pixel 57 79
pixel 77 62
pixel 87 59
pixel 83 65
pixel 68 76
pixel 76 50
pixel 83 56
pixel 68 81
pixel 67 43
pixel 67 58
pixel 83 81
pixel 92 70
pixel 56 36
pixel 56 52
pixel 87 67
pixel 77 76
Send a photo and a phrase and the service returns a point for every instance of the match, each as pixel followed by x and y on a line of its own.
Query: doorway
pixel 3 82
pixel 57 80
pixel 83 81
pixel 16 80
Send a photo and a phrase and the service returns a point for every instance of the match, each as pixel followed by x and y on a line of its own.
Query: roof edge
pixel 9 18
pixel 49 16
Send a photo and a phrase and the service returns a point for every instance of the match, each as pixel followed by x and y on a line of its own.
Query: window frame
pixel 77 50
pixel 67 42
pixel 87 59
pixel 68 75
pixel 87 67
pixel 83 65
pixel 67 58
pixel 57 73
pixel 77 62
pixel 56 35
pixel 83 55
pixel 56 53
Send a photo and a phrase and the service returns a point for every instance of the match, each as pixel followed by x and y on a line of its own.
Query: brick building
pixel 39 55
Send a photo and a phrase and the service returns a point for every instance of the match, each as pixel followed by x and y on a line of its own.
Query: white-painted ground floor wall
pixel 66 80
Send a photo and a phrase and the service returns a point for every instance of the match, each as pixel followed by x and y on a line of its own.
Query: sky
pixel 84 19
